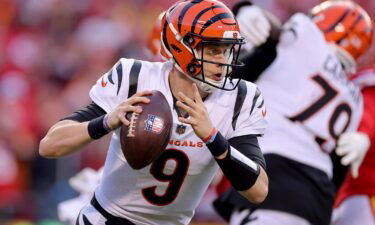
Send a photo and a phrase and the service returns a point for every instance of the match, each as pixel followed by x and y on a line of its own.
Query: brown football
pixel 148 134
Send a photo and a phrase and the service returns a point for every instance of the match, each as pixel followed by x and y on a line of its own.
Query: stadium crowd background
pixel 51 52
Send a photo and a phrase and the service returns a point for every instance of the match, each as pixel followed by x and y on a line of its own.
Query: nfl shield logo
pixel 154 124
pixel 180 129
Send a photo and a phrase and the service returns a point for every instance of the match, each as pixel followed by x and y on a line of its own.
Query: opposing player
pixel 219 117
pixel 310 102
pixel 355 201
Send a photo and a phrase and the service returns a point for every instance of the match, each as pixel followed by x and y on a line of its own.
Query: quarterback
pixel 221 115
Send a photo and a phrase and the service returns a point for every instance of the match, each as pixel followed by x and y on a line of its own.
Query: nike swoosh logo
pixel 264 112
pixel 104 83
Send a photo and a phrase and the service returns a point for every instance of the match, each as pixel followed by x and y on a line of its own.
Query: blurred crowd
pixel 51 53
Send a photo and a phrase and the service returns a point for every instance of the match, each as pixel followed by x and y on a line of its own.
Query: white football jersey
pixel 168 190
pixel 309 99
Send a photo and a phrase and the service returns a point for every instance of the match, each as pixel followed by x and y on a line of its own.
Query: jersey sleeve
pixel 112 88
pixel 252 117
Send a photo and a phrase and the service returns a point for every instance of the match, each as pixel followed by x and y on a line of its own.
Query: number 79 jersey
pixel 167 191
pixel 309 99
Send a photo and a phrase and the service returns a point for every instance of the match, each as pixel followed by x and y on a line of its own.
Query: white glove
pixel 353 147
pixel 254 25
pixel 85 181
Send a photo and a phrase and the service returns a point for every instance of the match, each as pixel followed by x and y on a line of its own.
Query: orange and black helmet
pixel 346 24
pixel 192 23
pixel 153 42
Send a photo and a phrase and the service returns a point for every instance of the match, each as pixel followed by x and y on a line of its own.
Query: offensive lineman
pixel 217 120
pixel 310 103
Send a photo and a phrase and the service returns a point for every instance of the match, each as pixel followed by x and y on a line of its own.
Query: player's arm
pixel 244 166
pixel 82 127
pixel 261 31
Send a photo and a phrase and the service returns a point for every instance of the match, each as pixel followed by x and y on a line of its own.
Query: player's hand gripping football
pixel 353 147
pixel 117 117
pixel 198 118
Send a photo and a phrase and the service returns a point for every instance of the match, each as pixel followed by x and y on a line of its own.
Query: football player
pixel 355 201
pixel 153 41
pixel 219 116
pixel 310 102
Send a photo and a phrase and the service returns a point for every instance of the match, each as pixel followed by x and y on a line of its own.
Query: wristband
pixel 218 145
pixel 96 128
pixel 105 123
pixel 211 136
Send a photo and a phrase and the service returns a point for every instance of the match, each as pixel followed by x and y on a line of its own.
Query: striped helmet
pixel 346 24
pixel 189 25
pixel 153 41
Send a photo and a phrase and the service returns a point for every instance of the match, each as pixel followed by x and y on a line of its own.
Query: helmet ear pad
pixel 189 40
pixel 179 48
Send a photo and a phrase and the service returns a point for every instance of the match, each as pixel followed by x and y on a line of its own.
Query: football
pixel 148 134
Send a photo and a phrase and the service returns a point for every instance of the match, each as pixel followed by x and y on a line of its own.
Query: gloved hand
pixel 353 147
pixel 254 25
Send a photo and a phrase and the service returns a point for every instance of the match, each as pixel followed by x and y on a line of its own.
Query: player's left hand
pixel 353 147
pixel 198 118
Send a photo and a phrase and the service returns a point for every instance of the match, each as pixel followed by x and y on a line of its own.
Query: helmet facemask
pixel 231 55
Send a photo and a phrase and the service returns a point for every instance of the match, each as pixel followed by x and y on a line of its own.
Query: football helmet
pixel 153 42
pixel 346 24
pixel 190 25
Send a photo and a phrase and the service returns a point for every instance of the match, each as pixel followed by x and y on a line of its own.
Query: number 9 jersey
pixel 309 99
pixel 167 191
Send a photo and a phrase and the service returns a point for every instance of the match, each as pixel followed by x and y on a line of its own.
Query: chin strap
pixel 206 87
pixel 203 86
pixel 348 62
pixel 200 84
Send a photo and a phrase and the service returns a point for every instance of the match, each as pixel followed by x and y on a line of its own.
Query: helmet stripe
pixel 215 19
pixel 200 14
pixel 165 42
pixel 342 17
pixel 357 20
pixel 183 12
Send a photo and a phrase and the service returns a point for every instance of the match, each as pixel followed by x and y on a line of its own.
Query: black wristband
pixel 96 128
pixel 219 145
pixel 241 171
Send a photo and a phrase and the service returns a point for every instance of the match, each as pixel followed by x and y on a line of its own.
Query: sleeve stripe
pixel 257 94
pixel 133 77
pixel 110 77
pixel 241 95
pixel 261 104
pixel 119 76
pixel 239 157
